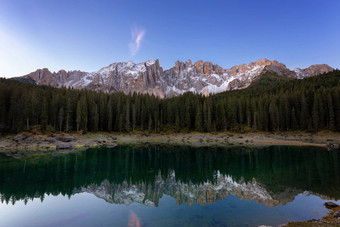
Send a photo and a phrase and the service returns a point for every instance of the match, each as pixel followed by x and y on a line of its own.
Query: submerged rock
pixel 333 146
pixel 111 144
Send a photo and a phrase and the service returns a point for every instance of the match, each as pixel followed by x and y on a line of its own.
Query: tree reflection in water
pixel 143 173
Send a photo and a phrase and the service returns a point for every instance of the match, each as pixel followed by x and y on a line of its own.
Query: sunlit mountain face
pixel 149 175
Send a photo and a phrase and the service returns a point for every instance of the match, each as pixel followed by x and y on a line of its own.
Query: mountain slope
pixel 312 71
pixel 149 77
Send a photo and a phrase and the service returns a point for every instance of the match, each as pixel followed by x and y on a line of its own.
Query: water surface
pixel 151 185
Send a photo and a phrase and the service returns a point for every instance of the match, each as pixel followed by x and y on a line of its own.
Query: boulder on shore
pixel 19 137
pixel 64 146
pixel 330 205
pixel 65 138
pixel 337 214
pixel 101 141
pixel 51 140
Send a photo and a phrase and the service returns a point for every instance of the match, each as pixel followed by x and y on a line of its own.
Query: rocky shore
pixel 327 139
pixel 25 144
pixel 332 219
pixel 17 145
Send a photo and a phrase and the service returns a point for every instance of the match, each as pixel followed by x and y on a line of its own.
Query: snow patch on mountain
pixel 299 73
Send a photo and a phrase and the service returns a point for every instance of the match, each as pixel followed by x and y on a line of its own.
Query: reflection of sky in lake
pixel 87 210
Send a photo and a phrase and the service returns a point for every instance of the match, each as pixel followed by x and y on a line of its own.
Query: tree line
pixel 311 104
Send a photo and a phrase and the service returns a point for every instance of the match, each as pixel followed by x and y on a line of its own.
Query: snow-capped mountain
pixel 149 77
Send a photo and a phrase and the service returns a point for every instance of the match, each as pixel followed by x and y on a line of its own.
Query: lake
pixel 161 185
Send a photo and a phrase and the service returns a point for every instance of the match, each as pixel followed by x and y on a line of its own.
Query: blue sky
pixel 88 35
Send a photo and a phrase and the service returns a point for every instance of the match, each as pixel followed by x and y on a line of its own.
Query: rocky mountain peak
pixel 199 66
pixel 154 63
pixel 318 69
pixel 149 77
pixel 179 65
pixel 218 69
pixel 260 63
pixel 207 67
pixel 188 64
pixel 263 61
pixel 312 70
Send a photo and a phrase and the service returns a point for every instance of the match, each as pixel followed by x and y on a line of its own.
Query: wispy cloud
pixel 137 35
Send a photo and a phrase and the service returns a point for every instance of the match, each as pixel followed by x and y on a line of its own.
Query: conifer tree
pixel 331 113
pixel 44 115
pixel 127 116
pixel 134 116
pixel 109 114
pixel 120 123
pixel 61 118
pixel 177 123
pixel 294 124
pixel 315 113
pixel 78 115
pixel 198 119
pixel 304 113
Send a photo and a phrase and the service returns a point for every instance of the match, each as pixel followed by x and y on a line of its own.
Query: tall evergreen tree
pixel 198 119
pixel 127 116
pixel 315 113
pixel 44 114
pixel 109 114
pixel 331 123
pixel 78 115
pixel 61 118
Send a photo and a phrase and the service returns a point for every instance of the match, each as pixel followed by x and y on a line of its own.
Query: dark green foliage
pixel 268 79
pixel 308 104
pixel 24 80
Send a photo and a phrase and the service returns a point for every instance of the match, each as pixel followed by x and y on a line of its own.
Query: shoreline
pixel 56 141
pixel 331 219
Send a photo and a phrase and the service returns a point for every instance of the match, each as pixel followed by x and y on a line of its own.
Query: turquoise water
pixel 148 185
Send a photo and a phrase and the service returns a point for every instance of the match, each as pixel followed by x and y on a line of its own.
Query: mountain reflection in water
pixel 143 174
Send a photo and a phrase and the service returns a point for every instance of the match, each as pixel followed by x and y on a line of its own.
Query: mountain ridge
pixel 202 77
